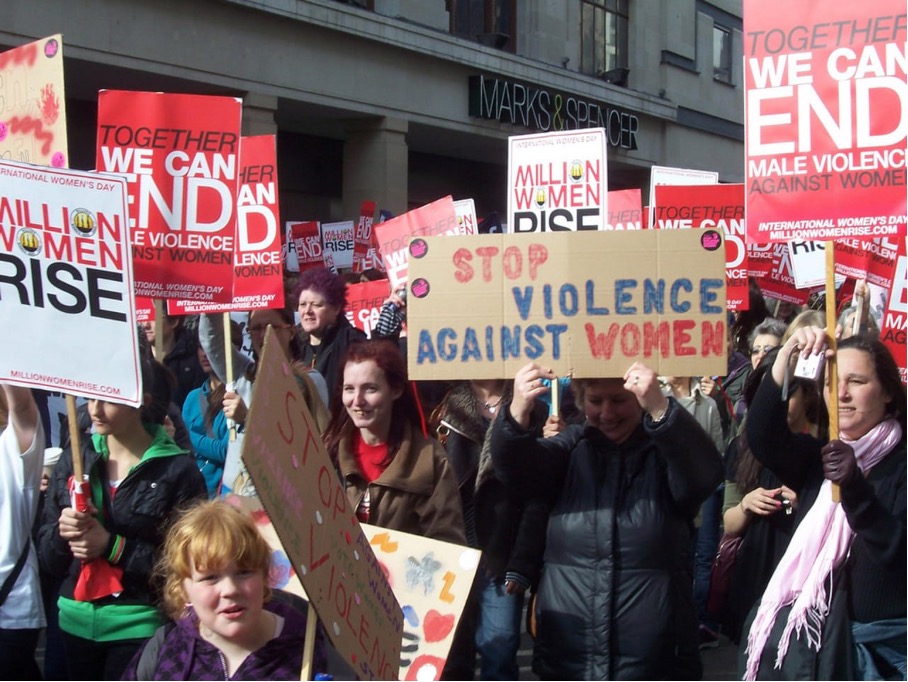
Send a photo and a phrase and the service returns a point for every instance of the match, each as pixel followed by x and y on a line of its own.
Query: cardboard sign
pixel 665 175
pixel 32 105
pixel 558 181
pixel 365 249
pixel 258 279
pixel 303 496
pixel 587 304
pixel 364 302
pixel 66 283
pixel 895 319
pixel 625 210
pixel 180 155
pixel 436 218
pixel 826 117
pixel 712 207
pixel 337 240
pixel 431 581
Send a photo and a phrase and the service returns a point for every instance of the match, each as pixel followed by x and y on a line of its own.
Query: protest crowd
pixel 606 513
pixel 268 463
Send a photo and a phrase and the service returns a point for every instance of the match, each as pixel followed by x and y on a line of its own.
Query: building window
pixel 490 22
pixel 721 53
pixel 603 39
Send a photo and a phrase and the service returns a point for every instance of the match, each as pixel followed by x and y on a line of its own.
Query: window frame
pixel 598 58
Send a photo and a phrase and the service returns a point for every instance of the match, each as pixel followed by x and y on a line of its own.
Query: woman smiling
pixel 395 476
pixel 842 579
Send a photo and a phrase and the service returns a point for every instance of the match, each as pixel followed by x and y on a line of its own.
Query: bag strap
pixel 148 660
pixel 14 576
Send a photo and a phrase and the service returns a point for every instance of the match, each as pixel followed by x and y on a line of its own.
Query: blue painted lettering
pixel 677 305
pixel 708 295
pixel 623 297
pixel 653 296
pixel 590 297
pixel 568 300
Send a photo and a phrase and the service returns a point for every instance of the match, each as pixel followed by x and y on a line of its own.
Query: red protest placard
pixel 712 207
pixel 365 250
pixel 895 318
pixel 826 94
pixel 625 210
pixel 306 237
pixel 779 282
pixel 364 301
pixel 180 157
pixel 144 309
pixel 258 279
pixel 436 218
pixel 869 260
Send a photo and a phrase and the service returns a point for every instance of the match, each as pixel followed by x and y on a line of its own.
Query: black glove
pixel 839 463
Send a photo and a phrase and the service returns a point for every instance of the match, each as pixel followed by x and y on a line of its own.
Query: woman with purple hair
pixel 321 297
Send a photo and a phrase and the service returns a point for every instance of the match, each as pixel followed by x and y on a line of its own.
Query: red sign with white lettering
pixel 826 100
pixel 180 155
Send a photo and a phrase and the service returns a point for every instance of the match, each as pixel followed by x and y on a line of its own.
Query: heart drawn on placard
pixel 436 627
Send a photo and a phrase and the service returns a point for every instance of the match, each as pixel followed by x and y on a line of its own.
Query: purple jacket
pixel 182 654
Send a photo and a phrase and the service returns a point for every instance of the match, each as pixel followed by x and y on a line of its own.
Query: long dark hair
pixel 388 359
pixel 886 369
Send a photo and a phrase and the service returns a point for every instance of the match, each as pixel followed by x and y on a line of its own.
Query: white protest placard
pixel 558 182
pixel 466 216
pixel 808 264
pixel 66 284
pixel 338 239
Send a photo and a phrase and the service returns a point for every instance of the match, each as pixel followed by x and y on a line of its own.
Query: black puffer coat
pixel 616 596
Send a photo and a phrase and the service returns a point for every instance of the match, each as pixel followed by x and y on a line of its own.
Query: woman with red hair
pixel 394 475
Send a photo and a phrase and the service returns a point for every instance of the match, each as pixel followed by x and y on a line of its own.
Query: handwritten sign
pixel 431 581
pixel 307 505
pixel 587 304
pixel 32 106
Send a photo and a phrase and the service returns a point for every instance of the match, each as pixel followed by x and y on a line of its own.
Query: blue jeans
pixel 498 634
pixel 705 548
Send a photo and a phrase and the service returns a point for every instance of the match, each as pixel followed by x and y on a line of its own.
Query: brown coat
pixel 416 494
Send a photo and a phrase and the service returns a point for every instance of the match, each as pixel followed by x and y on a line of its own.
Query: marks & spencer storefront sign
pixel 545 110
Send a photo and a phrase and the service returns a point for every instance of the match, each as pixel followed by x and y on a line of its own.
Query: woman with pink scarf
pixel 835 606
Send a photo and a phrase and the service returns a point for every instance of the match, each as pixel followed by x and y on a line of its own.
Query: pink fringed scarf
pixel 820 543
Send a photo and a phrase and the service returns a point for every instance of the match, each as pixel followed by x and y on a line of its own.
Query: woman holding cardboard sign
pixel 842 579
pixel 616 596
pixel 395 476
